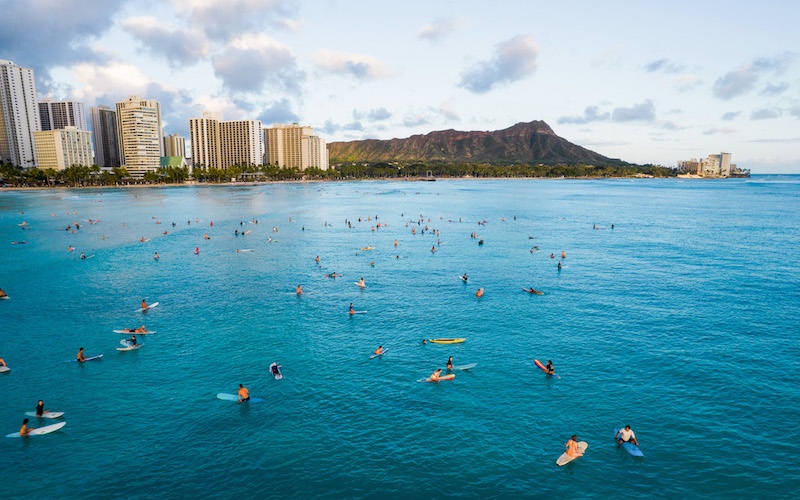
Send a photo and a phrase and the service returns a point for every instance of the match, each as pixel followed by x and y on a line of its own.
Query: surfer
pixel 548 369
pixel 626 435
pixel 352 311
pixel 433 249
pixel 361 283
pixel 71 248
pixel 317 259
pixel 378 351
pixel 479 293
pixel 464 278
pixel 197 250
pixel 83 256
pixel 450 363
pixel 299 290
pixel 572 447
pixel 132 341
pixel 141 329
pixel 144 305
pixel 559 264
pixel 40 409
pixel 563 254
pixel 80 358
pixel 435 375
pixel 244 394
pixel 2 293
pixel 25 430
pixel 156 256
pixel 3 362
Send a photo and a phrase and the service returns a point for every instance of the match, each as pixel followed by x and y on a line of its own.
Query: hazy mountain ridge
pixel 531 143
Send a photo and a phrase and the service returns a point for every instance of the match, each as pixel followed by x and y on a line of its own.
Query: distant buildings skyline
pixel 54 115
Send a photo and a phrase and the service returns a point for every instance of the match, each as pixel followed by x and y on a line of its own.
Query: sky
pixel 647 82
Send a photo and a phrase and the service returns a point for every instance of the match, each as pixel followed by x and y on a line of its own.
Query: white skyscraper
pixel 139 133
pixel 221 144
pixel 19 115
pixel 54 115
pixel 174 145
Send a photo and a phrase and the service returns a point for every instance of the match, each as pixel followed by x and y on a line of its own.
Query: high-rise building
pixel 104 132
pixel 175 145
pixel 139 133
pixel 221 144
pixel 19 115
pixel 62 148
pixel 54 115
pixel 295 146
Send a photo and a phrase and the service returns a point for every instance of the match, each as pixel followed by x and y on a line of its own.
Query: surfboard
pixel 145 309
pixel 5 297
pixel 244 250
pixel 134 333
pixel 356 283
pixel 4 369
pixel 629 447
pixel 447 341
pixel 449 376
pixel 465 367
pixel 85 359
pixel 540 366
pixel 128 346
pixel 462 279
pixel 233 397
pixel 47 414
pixel 276 374
pixel 47 429
pixel 564 459
pixel 358 312
pixel 373 356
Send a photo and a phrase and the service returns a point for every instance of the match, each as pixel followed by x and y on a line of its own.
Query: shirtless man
pixel 361 283
pixel 435 375
pixel 299 290
pixel 244 394
pixel 378 351
pixel 572 447
pixel 25 430
pixel 479 293
pixel 141 329
pixel 80 357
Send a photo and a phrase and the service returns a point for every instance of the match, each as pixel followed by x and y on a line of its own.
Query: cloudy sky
pixel 647 82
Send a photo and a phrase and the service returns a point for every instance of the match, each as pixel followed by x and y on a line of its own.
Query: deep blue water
pixel 681 321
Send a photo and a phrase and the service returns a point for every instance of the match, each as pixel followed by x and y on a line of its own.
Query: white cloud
pixel 177 46
pixel 513 60
pixel 253 61
pixel 360 66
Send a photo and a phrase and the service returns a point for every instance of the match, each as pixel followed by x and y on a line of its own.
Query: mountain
pixel 530 143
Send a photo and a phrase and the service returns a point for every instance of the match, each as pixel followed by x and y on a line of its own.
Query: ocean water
pixel 681 321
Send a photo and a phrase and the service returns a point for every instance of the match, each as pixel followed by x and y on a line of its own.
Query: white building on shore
pixel 139 132
pixel 295 146
pixel 63 148
pixel 19 115
pixel 714 165
pixel 222 144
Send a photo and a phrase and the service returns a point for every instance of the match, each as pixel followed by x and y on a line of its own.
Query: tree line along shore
pixel 82 176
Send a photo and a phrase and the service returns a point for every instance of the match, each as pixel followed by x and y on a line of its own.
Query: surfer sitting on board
pixel 352 311
pixel 378 351
pixel 79 357
pixel 435 375
pixel 3 362
pixel 40 409
pixel 244 394
pixel 299 290
pixel 626 435
pixel 144 304
pixel 361 283
pixel 132 341
pixel 479 293
pixel 275 369
pixel 572 447
pixel 24 430
pixel 549 368
pixel 450 363
pixel 2 293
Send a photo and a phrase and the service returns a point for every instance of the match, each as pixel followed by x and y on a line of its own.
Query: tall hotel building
pixel 104 132
pixel 139 133
pixel 295 146
pixel 19 115
pixel 63 148
pixel 221 144
pixel 54 115
pixel 175 145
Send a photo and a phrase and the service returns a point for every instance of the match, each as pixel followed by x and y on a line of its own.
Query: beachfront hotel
pixel 54 115
pixel 174 145
pixel 295 146
pixel 712 166
pixel 139 135
pixel 104 133
pixel 19 115
pixel 222 144
pixel 62 148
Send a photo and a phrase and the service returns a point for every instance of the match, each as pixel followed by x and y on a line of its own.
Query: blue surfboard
pixel 629 447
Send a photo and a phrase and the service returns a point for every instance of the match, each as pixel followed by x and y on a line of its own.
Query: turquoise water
pixel 681 321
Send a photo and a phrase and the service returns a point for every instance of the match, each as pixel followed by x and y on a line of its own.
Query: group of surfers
pixel 24 430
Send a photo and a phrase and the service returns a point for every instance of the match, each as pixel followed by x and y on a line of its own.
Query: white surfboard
pixel 564 459
pixel 128 346
pixel 145 309
pixel 4 369
pixel 47 414
pixel 47 429
pixel 373 356
pixel 465 367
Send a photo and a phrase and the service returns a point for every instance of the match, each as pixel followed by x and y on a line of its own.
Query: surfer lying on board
pixel 532 290
pixel 626 435
pixel 79 357
pixel 244 394
pixel 572 447
pixel 333 275
pixel 24 430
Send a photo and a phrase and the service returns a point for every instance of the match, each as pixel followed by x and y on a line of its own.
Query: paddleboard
pixel 449 376
pixel 4 369
pixel 40 430
pixel 85 359
pixel 126 332
pixel 145 309
pixel 465 367
pixel 629 447
pixel 373 356
pixel 47 414
pixel 233 397
pixel 446 341
pixel 276 371
pixel 564 459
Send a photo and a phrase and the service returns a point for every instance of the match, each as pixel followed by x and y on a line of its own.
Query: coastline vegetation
pixel 83 176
